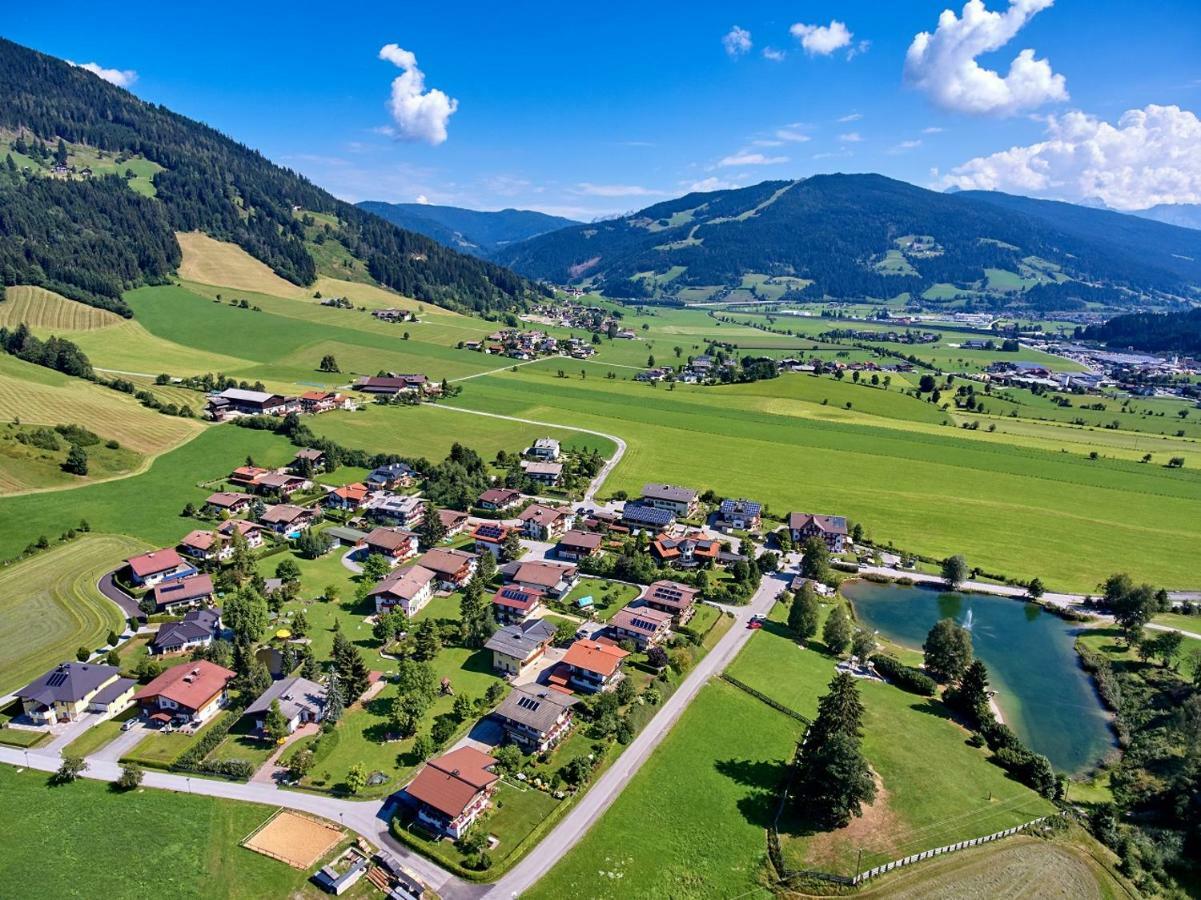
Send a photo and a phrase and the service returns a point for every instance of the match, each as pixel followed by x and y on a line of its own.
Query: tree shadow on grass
pixel 764 777
pixel 932 707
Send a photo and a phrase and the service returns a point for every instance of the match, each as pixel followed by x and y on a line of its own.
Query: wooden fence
pixel 759 695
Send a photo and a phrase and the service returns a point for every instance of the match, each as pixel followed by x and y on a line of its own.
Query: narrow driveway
pixel 110 589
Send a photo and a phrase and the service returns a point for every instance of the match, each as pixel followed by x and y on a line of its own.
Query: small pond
pixel 1044 694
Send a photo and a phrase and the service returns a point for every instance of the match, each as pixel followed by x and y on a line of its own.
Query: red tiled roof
pixel 500 496
pixel 490 532
pixel 445 562
pixel 449 783
pixel 542 574
pixel 154 562
pixel 585 540
pixel 595 656
pixel 517 598
pixel 184 590
pixel 191 685
pixel 199 539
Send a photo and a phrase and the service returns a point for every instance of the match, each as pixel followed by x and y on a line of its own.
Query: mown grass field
pixel 155 843
pixel 692 822
pixel 50 607
pixel 41 309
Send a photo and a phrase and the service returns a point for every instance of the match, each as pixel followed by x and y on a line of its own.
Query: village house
pixel 394 544
pixel 545 449
pixel 637 515
pixel 192 692
pixel 592 666
pixel 540 522
pixel 307 461
pixel 453 790
pixel 149 569
pixel 688 550
pixel 453 568
pixel 251 533
pixel 547 473
pixel 348 497
pixel 534 717
pixel 515 604
pixel 453 521
pixel 402 510
pixel 498 499
pixel 672 597
pixel 490 537
pixel 391 477
pixel 394 315
pixel 831 529
pixel 739 515
pixel 234 402
pixel 518 645
pixel 410 589
pixel 172 596
pixel 576 545
pixel 314 402
pixel 230 502
pixel 281 484
pixel 247 476
pixel 198 628
pixel 301 701
pixel 205 545
pixel 550 578
pixel 645 626
pixel 72 688
pixel 393 384
pixel 681 501
pixel 287 519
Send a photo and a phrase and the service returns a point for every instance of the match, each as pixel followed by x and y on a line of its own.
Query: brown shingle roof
pixel 191 685
pixel 449 783
pixel 154 562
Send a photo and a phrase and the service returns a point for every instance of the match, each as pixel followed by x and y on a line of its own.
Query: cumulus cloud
pixel 859 49
pixel 615 190
pixel 1149 157
pixel 737 41
pixel 711 184
pixel 423 200
pixel 420 115
pixel 943 64
pixel 751 159
pixel 822 40
pixel 120 77
pixel 773 54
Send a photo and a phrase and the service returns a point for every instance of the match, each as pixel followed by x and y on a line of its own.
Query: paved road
pixel 598 798
pixel 113 592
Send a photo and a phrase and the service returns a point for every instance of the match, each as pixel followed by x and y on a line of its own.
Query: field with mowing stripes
pixel 49 605
pixel 44 310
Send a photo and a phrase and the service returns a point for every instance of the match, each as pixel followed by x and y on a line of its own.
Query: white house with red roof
pixel 149 569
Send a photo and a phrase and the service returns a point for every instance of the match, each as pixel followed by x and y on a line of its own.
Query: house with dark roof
pixel 281 485
pixel 576 545
pixel 453 790
pixel 300 700
pixel 402 510
pixel 692 548
pixel 638 515
pixel 831 529
pixel 498 499
pixel 72 688
pixel 535 717
pixel 250 531
pixel 671 597
pixel 393 544
pixel 232 502
pixel 171 596
pixel 547 473
pixel 540 522
pixel 393 384
pixel 391 476
pixel 739 515
pixel 592 666
pixel 410 589
pixel 452 520
pixel 490 537
pixel 553 579
pixel 680 500
pixel 645 626
pixel 516 646
pixel 190 692
pixel 149 569
pixel 198 628
pixel 307 461
pixel 286 519
pixel 454 568
pixel 515 604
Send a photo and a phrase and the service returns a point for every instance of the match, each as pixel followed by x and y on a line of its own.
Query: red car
pixel 755 622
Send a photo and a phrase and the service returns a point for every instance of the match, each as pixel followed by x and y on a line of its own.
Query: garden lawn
pixel 49 605
pixel 99 735
pixel 692 822
pixel 22 737
pixel 186 845
pixel 159 749
pixel 607 596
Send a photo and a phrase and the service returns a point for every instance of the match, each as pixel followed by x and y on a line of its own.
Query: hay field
pixel 218 262
pixel 44 310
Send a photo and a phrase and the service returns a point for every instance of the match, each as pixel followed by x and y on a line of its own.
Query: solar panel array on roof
pixel 528 703
pixel 56 679
pixel 643 623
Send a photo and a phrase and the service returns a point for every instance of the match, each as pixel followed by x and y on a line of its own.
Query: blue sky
pixel 587 110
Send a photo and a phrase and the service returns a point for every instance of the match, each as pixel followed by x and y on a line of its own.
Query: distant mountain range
pixel 1185 215
pixel 91 234
pixel 855 236
pixel 467 230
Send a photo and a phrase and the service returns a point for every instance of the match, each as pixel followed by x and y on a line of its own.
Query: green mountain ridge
pixel 92 238
pixel 854 236
pixel 478 232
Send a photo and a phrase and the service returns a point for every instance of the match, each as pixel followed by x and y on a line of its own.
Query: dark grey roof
pixel 67 682
pixel 747 508
pixel 669 492
pixel 637 514
pixel 195 626
pixel 293 694
pixel 390 472
pixel 534 705
pixel 111 692
pixel 522 639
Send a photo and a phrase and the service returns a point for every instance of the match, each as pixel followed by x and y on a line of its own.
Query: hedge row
pixel 905 677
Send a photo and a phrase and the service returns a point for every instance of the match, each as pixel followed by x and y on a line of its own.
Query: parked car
pixel 128 724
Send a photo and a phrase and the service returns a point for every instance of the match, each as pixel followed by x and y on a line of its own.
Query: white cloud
pixel 851 137
pixel 792 135
pixel 420 115
pixel 858 50
pixel 933 129
pixel 943 65
pixel 852 117
pixel 742 158
pixel 766 143
pixel 711 184
pixel 773 54
pixel 1149 157
pixel 615 190
pixel 737 41
pixel 120 77
pixel 822 40
pixel 423 200
pixel 904 146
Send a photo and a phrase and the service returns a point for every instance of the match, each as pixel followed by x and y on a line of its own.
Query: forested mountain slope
pixel 1169 332
pixel 469 230
pixel 853 236
pixel 88 236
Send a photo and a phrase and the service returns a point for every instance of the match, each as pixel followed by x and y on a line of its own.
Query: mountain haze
pixel 91 238
pixel 472 231
pixel 854 236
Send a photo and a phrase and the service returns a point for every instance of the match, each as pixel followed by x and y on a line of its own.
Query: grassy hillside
pixel 44 310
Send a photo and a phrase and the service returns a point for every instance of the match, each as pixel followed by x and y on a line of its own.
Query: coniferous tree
pixel 833 779
pixel 804 613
